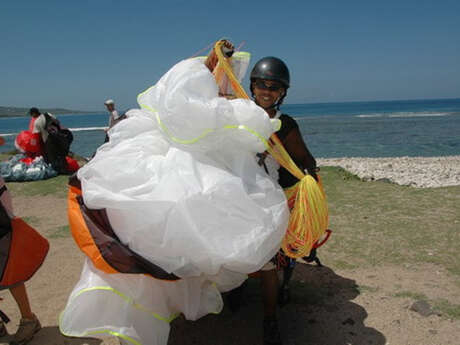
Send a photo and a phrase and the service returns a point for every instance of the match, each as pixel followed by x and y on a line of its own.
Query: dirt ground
pixel 328 307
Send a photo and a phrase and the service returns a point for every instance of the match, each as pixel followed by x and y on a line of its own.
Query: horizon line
pixel 286 104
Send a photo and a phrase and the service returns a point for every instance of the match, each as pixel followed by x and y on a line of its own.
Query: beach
pixel 380 263
pixel 421 172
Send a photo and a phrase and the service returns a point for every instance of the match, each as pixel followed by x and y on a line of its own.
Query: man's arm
pixel 296 147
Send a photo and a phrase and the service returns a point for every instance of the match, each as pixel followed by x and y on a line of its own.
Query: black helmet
pixel 271 68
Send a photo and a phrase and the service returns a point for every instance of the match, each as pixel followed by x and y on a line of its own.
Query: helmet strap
pixel 278 102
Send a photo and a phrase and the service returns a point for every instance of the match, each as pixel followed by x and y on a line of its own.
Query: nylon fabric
pixel 201 209
pixel 136 306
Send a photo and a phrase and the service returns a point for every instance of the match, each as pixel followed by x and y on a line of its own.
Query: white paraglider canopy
pixel 181 186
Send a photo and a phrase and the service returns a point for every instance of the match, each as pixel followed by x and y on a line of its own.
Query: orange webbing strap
pixel 306 199
pixel 81 233
pixel 94 235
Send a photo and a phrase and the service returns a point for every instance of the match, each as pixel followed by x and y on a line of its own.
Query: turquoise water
pixel 364 129
pixel 380 129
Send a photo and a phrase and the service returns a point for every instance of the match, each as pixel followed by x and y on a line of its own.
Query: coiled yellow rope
pixel 306 199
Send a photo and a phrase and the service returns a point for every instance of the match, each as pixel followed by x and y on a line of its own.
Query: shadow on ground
pixel 52 336
pixel 321 312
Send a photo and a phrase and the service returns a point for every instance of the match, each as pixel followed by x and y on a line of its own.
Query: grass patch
pixel 32 220
pixel 343 265
pixel 341 172
pixel 4 156
pixel 365 288
pixel 7 154
pixel 56 186
pixel 441 305
pixel 447 309
pixel 60 232
pixel 377 223
pixel 410 294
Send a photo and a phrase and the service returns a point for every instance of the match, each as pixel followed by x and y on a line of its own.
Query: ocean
pixel 351 129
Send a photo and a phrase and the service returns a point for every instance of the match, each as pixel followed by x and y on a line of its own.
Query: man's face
pixel 267 92
pixel 110 107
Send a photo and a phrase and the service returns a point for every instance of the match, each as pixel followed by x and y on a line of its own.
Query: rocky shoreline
pixel 422 172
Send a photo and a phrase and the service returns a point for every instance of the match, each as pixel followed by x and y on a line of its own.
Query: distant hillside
pixel 13 111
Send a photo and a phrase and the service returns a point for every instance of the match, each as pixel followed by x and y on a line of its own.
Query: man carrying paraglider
pixel 188 214
pixel 270 80
pixel 188 204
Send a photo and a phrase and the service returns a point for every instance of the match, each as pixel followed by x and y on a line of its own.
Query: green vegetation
pixel 56 186
pixel 377 223
pixel 447 309
pixel 365 288
pixel 60 232
pixel 6 155
pixel 32 220
pixel 441 305
pixel 412 295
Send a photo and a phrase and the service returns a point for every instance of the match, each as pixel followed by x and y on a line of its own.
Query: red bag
pixel 27 251
pixel 29 143
pixel 72 164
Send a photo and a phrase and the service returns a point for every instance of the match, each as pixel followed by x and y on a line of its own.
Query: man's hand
pixel 211 60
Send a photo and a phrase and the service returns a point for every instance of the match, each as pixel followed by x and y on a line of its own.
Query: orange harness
pixel 95 237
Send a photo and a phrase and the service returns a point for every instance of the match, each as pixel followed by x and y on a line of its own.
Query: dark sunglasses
pixel 260 84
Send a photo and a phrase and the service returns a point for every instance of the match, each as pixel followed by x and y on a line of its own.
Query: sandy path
pixel 334 308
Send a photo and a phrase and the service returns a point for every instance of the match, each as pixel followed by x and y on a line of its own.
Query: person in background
pixel 39 125
pixel 29 324
pixel 55 146
pixel 113 117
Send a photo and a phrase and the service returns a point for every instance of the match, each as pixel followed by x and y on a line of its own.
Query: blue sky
pixel 75 54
